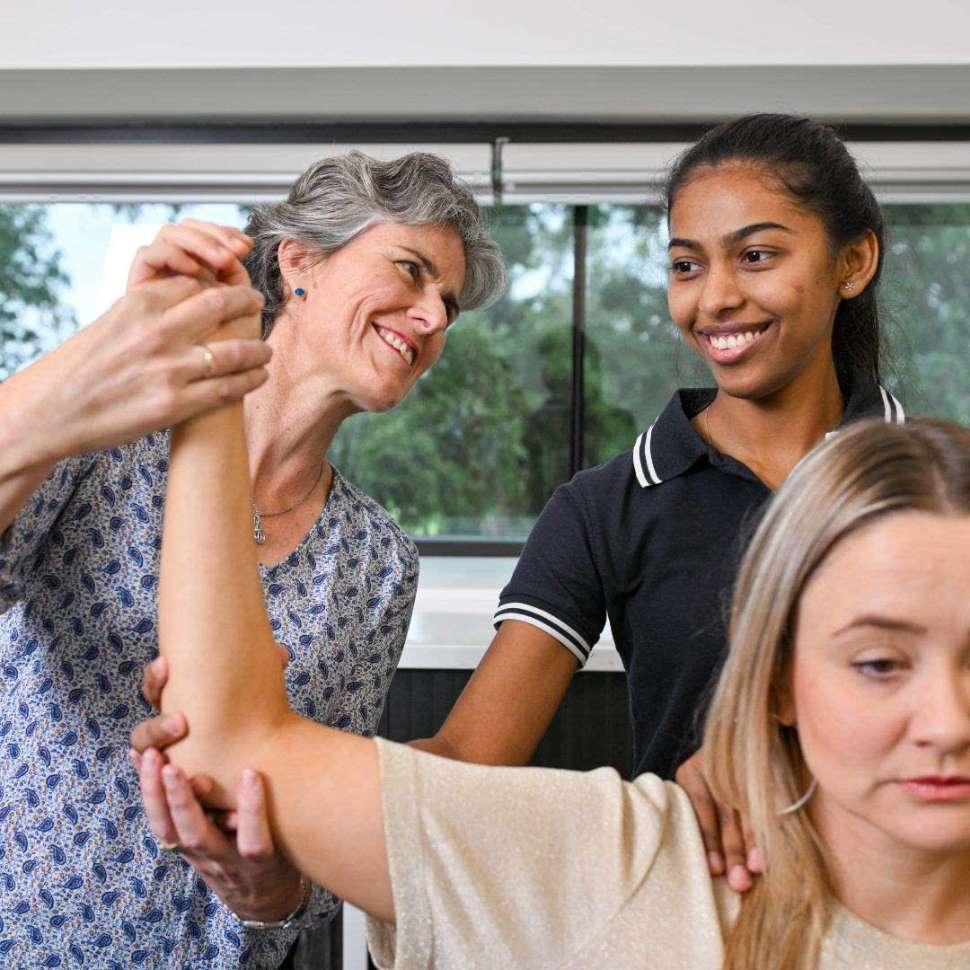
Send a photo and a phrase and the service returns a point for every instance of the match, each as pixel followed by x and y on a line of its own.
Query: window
pixel 927 307
pixel 64 263
pixel 563 373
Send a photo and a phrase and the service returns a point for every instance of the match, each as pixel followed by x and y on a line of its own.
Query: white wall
pixel 606 60
pixel 392 33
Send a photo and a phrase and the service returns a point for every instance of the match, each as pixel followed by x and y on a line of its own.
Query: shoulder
pixel 140 464
pixel 372 523
pixel 94 482
pixel 594 490
pixel 612 477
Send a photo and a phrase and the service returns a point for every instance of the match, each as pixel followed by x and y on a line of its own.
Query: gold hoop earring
pixel 803 801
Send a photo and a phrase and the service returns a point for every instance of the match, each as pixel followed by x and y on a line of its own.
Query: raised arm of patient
pixel 323 786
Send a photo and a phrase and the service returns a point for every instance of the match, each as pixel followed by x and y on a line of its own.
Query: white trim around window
pixel 900 172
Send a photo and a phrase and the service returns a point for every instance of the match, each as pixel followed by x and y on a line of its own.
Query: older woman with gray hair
pixel 361 271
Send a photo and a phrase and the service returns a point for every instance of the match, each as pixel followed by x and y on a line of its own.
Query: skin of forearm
pixel 29 446
pixel 323 786
pixel 324 803
pixel 213 630
pixel 519 654
pixel 436 745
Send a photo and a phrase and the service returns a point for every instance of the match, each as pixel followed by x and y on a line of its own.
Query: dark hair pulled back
pixel 814 166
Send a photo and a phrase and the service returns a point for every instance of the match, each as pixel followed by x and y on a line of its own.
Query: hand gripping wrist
pixel 306 891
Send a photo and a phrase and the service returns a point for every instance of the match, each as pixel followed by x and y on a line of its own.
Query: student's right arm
pixel 510 700
pixel 139 367
pixel 550 615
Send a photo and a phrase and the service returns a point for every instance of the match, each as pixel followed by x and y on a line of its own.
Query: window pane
pixel 927 307
pixel 483 439
pixel 477 447
pixel 63 264
pixel 634 359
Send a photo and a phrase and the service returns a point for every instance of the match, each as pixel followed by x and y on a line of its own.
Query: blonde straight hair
pixel 754 763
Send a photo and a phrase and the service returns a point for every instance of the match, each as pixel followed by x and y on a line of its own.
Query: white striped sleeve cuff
pixel 556 628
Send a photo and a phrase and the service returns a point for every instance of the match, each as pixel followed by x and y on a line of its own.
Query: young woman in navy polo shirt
pixel 775 253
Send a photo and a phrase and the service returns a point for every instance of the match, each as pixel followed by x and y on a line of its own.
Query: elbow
pixel 220 752
pixel 201 754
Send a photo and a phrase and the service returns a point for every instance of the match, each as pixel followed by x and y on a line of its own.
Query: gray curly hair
pixel 337 198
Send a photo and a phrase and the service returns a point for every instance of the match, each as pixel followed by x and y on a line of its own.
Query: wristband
pixel 287 921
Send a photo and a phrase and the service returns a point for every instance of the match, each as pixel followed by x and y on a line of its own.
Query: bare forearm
pixel 29 448
pixel 213 629
pixel 324 801
pixel 323 786
pixel 509 702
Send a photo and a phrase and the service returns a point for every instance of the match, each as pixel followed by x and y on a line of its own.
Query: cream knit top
pixel 526 868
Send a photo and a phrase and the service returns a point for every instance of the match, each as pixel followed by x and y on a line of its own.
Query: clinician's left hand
pixel 232 852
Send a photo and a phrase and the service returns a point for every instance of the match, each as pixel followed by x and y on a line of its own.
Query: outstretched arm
pixel 323 786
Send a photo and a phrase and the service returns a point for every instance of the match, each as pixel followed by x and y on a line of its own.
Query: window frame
pixel 573 164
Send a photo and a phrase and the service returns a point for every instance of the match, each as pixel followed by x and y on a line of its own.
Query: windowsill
pixel 452 623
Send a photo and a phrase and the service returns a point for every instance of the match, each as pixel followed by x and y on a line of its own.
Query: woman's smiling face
pixel 376 311
pixel 754 285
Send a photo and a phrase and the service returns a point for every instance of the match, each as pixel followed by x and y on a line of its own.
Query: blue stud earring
pixel 299 291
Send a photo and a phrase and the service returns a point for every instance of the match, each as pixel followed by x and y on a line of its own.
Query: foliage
pixel 485 437
pixel 32 317
pixel 928 301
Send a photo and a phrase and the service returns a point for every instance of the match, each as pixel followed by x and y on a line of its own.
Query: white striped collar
pixel 893 412
pixel 671 444
pixel 643 465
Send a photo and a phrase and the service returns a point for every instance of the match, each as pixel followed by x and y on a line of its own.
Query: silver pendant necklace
pixel 258 535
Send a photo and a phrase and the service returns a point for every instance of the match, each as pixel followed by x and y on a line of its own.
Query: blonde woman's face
pixel 880 686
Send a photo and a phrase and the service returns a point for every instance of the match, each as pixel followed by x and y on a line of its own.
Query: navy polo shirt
pixel 652 540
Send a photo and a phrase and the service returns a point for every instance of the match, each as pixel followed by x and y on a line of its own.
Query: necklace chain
pixel 258 535
pixel 707 424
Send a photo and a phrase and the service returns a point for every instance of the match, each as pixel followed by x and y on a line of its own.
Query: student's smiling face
pixel 754 284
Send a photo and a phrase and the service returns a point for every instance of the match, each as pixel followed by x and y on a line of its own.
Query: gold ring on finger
pixel 210 360
pixel 171 846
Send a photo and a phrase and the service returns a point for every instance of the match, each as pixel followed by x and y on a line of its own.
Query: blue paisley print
pixel 82 881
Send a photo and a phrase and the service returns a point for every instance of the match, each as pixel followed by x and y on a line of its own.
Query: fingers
pixel 224 357
pixel 204 312
pixel 200 396
pixel 161 259
pixel 209 252
pixel 195 832
pixel 202 785
pixel 154 677
pixel 735 852
pixel 158 732
pixel 208 247
pixel 229 821
pixel 253 838
pixel 154 797
pixel 235 239
pixel 691 779
pixel 161 294
pixel 753 859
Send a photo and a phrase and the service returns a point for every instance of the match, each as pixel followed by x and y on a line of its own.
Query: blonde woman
pixel 840 727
